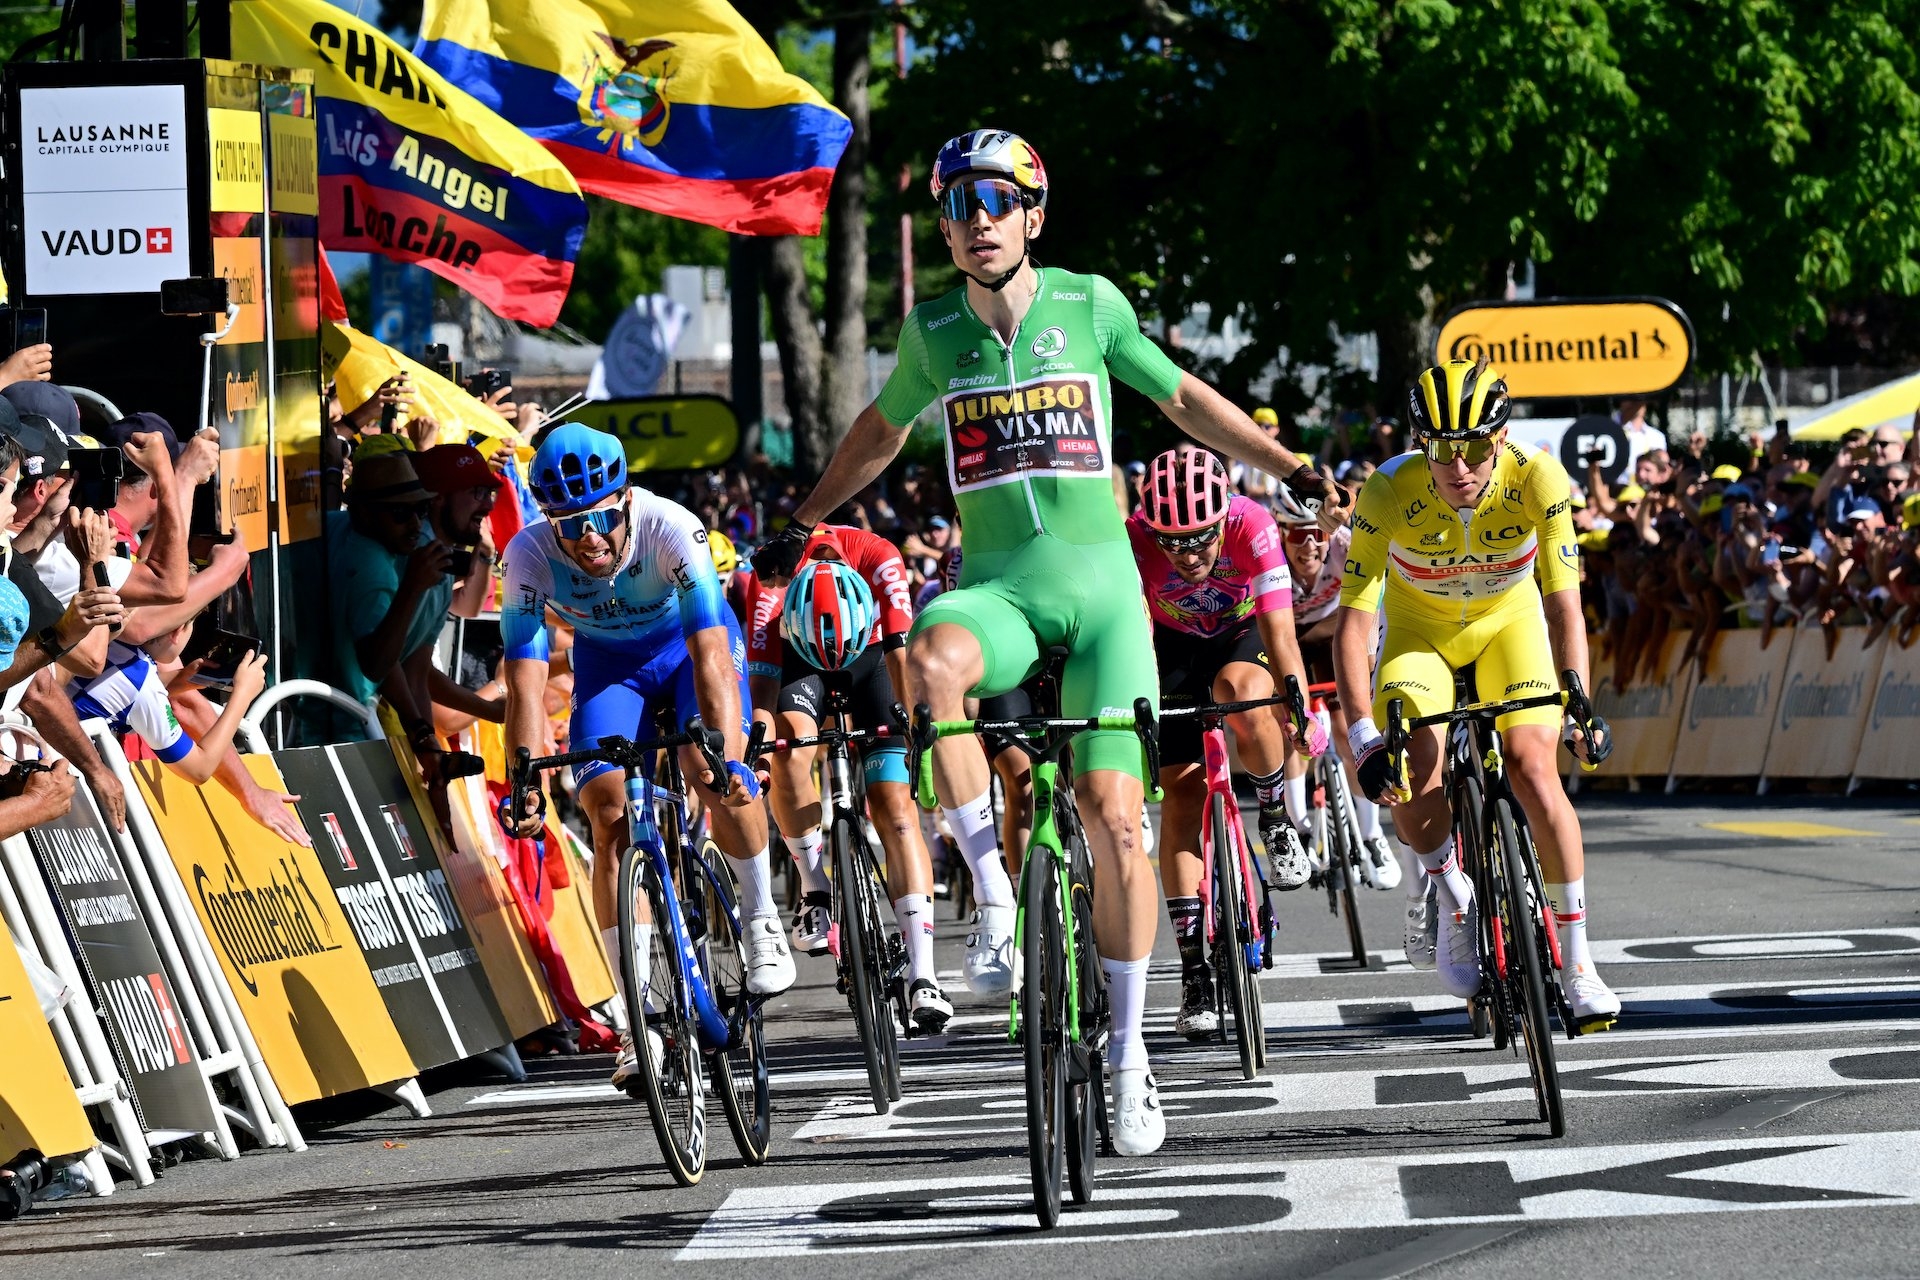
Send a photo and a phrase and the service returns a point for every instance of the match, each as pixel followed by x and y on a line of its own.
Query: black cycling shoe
pixel 1198 1019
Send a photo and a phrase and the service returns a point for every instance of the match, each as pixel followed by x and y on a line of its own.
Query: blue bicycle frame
pixel 717 1032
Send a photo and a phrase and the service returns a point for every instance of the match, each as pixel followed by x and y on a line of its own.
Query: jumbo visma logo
pixel 622 97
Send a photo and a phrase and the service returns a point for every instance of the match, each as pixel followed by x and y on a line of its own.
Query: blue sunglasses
pixel 602 522
pixel 997 196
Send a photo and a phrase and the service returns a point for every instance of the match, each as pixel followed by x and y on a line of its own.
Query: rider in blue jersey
pixel 631 573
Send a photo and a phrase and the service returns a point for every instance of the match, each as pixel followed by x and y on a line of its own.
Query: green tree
pixel 623 256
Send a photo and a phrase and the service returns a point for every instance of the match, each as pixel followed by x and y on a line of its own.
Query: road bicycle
pixel 684 966
pixel 863 937
pixel 1235 898
pixel 1336 831
pixel 1058 1013
pixel 1519 951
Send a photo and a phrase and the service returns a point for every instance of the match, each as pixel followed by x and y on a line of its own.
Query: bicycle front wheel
pixel 1043 1023
pixel 1344 857
pixel 740 1070
pixel 1523 922
pixel 670 1076
pixel 1229 938
pixel 861 952
pixel 1086 1078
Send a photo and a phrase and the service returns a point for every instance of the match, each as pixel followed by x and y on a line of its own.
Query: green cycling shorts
pixel 1044 592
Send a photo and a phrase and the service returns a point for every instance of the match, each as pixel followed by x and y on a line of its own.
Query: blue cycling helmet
pixel 828 614
pixel 576 467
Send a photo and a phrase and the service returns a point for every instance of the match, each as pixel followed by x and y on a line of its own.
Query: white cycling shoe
pixel 769 962
pixel 1422 924
pixel 1457 950
pixel 1595 1007
pixel 928 1006
pixel 1385 871
pixel 989 966
pixel 1139 1125
pixel 626 1067
pixel 1285 852
pixel 813 924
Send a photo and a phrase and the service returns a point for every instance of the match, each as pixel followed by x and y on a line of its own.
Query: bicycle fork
pixel 1045 842
pixel 696 998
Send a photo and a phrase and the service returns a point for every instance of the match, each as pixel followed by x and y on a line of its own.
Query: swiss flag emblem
pixel 159 240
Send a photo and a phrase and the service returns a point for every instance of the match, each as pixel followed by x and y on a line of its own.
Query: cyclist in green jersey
pixel 1018 359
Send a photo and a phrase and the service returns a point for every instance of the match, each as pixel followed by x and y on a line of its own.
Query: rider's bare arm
pixel 717 689
pixel 1353 663
pixel 1218 423
pixel 870 447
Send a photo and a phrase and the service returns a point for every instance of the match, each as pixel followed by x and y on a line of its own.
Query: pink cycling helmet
pixel 1185 490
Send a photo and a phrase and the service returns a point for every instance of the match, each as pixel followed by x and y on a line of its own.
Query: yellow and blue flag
pixel 414 169
pixel 673 105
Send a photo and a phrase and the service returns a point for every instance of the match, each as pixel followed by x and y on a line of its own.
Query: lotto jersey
pixel 870 555
pixel 665 587
pixel 1028 423
pixel 1447 565
pixel 1249 575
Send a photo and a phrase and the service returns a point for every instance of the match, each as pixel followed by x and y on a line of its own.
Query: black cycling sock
pixel 1185 915
pixel 1266 787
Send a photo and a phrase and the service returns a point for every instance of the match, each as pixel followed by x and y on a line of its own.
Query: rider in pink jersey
pixel 1221 603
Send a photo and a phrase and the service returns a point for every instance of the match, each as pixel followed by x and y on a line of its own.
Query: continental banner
pixel 1890 730
pixel 288 953
pixel 39 1110
pixel 1729 711
pixel 380 916
pixel 408 844
pixel 1823 706
pixel 122 963
pixel 1644 717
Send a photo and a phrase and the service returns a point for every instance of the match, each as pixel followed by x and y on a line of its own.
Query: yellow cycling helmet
pixel 1266 417
pixel 1458 400
pixel 726 557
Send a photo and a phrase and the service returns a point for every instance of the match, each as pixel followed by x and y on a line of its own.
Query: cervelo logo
pixel 1807 698
pixel 1898 698
pixel 105 242
pixel 1729 701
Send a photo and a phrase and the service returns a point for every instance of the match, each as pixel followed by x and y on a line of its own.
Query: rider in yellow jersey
pixel 1467 546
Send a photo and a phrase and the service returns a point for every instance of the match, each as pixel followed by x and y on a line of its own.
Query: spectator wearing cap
pixel 39 452
pixel 389 588
pixel 464 487
pixel 194 462
pixel 1843 486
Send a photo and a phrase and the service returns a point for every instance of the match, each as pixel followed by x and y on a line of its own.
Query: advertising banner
pixel 1729 712
pixel 1560 347
pixel 284 946
pixel 294 291
pixel 103 180
pixel 39 1110
pixel 122 963
pixel 408 844
pixel 1824 705
pixel 1645 717
pixel 237 204
pixel 379 917
pixel 667 433
pixel 1890 734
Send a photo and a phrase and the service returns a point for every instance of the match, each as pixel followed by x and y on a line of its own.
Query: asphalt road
pixel 1754 1113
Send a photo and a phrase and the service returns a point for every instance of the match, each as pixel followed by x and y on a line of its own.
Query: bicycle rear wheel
pixel 674 1087
pixel 1086 1075
pixel 1343 866
pixel 860 950
pixel 739 1071
pixel 1043 1023
pixel 1523 922
pixel 1229 939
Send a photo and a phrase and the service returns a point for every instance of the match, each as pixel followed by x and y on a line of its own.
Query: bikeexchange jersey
pixel 869 555
pixel 1249 575
pixel 1442 565
pixel 665 588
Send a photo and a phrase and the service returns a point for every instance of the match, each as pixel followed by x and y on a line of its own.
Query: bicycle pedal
pixel 1593 1026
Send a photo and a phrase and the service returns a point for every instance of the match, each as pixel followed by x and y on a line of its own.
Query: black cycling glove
pixel 779 556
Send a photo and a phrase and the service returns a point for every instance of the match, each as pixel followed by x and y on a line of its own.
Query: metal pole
pixel 743 278
pixel 906 172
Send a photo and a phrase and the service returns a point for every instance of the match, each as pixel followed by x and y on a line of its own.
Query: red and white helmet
pixel 1185 490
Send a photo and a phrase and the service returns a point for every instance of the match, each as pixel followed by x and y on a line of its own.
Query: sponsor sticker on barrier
pixel 38 1108
pixel 1824 704
pixel 1729 712
pixel 122 962
pixel 1890 729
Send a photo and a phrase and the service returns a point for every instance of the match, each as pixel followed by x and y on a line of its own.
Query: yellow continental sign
pixel 1569 347
pixel 667 433
pixel 238 171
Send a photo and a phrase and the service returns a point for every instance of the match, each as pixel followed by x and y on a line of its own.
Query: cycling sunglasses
pixel 1303 535
pixel 602 522
pixel 1474 451
pixel 1186 544
pixel 996 195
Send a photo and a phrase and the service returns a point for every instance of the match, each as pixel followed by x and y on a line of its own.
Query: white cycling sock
pixel 755 878
pixel 1369 815
pixel 1127 998
pixel 1570 923
pixel 1443 864
pixel 810 857
pixel 1296 789
pixel 610 939
pixel 979 843
pixel 1412 875
pixel 914 914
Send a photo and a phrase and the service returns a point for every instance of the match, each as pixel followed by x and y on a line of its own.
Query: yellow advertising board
pixel 286 951
pixel 1824 704
pixel 236 259
pixel 38 1108
pixel 1890 728
pixel 243 491
pixel 1728 712
pixel 1644 716
pixel 1558 347
pixel 237 169
pixel 296 167
pixel 667 433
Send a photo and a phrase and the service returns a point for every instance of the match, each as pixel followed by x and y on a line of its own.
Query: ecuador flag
pixel 413 168
pixel 674 105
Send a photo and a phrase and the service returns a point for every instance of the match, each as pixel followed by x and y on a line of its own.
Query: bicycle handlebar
pixel 1049 731
pixel 1221 708
pixel 621 752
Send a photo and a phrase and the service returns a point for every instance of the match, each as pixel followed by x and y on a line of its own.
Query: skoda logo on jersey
pixel 1050 344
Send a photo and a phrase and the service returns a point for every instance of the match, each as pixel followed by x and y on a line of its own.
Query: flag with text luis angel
pixel 413 168
pixel 673 105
